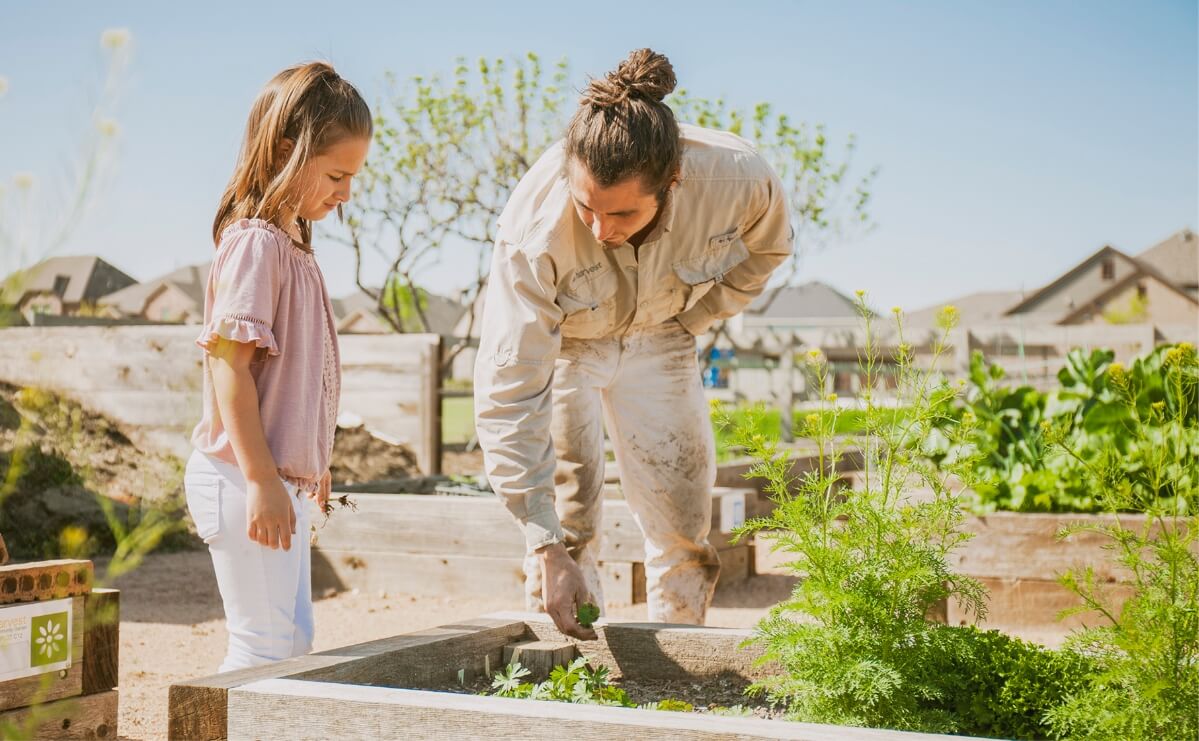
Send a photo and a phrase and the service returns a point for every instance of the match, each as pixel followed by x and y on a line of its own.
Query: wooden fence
pixel 148 379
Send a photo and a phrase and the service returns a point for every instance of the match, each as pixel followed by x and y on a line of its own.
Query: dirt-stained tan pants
pixel 646 387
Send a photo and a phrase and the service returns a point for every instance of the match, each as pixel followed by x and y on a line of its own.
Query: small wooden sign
pixel 35 638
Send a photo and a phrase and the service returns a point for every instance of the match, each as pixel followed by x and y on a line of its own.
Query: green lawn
pixel 457 420
pixel 769 424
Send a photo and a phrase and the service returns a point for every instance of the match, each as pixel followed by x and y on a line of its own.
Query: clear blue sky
pixel 1014 138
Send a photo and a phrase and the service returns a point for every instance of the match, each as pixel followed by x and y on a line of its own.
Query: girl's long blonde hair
pixel 314 108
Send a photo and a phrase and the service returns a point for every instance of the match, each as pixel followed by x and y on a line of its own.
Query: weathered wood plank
pixel 146 407
pixel 425 658
pixel 770 561
pixel 1025 545
pixel 1009 545
pixel 101 640
pixel 467 526
pixel 87 718
pixel 623 583
pixel 196 708
pixel 19 693
pixel 734 564
pixel 433 575
pixel 1031 604
pixel 134 371
pixel 45 580
pixel 657 650
pixel 803 460
pixel 729 504
pixel 385 349
pixel 314 710
pixel 149 377
pixel 393 389
pixel 352 679
pixel 417 574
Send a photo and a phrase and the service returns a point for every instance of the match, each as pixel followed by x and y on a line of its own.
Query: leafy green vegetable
pixel 577 683
pixel 1031 450
pixel 587 614
pixel 854 644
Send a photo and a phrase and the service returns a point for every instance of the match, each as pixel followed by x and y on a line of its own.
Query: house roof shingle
pixel 983 306
pixel 1177 256
pixel 813 299
pixel 442 313
pixel 88 279
pixel 192 280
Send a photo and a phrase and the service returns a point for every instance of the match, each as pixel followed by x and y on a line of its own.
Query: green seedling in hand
pixel 587 614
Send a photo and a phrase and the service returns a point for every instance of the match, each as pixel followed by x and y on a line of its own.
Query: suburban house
pixel 62 286
pixel 1158 286
pixel 175 298
pixel 1125 302
pixel 358 313
pixel 1111 299
pixel 811 304
pixel 973 308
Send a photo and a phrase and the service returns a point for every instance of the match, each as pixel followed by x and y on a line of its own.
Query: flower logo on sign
pixel 49 635
pixel 49 639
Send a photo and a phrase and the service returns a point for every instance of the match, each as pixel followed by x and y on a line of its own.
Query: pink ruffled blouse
pixel 265 290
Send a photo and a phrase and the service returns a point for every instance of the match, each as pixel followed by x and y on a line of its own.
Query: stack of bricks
pixel 63 686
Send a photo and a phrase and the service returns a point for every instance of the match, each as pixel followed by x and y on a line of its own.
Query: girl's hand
pixel 323 490
pixel 271 517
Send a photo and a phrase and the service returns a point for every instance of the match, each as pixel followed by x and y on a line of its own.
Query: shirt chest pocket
pixel 588 303
pixel 701 273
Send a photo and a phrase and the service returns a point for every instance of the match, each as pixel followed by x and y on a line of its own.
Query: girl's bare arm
pixel 271 518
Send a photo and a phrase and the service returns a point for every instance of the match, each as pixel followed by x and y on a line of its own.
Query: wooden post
pixel 3 552
pixel 787 395
pixel 101 640
pixel 540 657
pixel 91 717
pixel 429 455
pixel 623 582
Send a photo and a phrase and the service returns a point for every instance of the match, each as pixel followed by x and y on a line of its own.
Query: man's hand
pixel 563 590
pixel 270 514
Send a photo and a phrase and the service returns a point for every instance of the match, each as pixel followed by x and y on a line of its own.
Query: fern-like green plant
pixel 1147 649
pixel 855 641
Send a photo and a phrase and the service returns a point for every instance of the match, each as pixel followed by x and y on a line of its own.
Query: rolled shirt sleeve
pixel 518 344
pixel 769 238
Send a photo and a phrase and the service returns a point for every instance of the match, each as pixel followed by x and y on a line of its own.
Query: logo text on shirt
pixel 586 272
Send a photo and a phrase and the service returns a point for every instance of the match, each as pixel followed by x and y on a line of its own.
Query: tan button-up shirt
pixel 723 229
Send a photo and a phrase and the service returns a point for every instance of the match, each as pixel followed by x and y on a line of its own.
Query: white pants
pixel 646 386
pixel 267 593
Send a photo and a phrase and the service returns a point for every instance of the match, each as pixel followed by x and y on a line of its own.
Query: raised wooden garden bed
pixel 803 460
pixel 74 697
pixel 1017 556
pixel 381 689
pixel 455 545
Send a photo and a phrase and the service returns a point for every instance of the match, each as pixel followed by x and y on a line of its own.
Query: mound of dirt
pixel 68 477
pixel 62 467
pixel 359 457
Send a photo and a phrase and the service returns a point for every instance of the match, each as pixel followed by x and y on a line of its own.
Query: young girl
pixel 272 371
